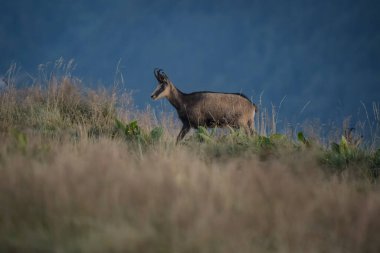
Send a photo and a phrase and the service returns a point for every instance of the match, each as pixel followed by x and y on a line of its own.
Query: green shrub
pixel 132 132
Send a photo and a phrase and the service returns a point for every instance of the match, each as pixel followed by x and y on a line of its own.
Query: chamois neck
pixel 176 97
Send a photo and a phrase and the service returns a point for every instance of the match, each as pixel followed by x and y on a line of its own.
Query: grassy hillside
pixel 81 170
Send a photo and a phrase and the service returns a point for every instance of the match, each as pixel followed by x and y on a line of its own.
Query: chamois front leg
pixel 185 129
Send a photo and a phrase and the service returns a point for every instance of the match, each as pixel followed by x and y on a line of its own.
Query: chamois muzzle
pixel 157 92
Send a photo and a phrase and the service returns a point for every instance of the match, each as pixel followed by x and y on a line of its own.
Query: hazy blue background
pixel 326 52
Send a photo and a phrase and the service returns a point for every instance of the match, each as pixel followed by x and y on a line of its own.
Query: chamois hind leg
pixel 251 127
pixel 185 129
pixel 247 130
pixel 244 125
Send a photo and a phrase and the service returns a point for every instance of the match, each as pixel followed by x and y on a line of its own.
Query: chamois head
pixel 163 86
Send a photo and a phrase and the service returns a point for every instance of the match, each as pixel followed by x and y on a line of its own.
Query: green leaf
pixel 132 129
pixel 203 134
pixel 376 158
pixel 203 130
pixel 344 145
pixel 278 137
pixel 335 147
pixel 301 137
pixel 232 130
pixel 204 137
pixel 156 134
pixel 119 125
pixel 264 141
pixel 21 139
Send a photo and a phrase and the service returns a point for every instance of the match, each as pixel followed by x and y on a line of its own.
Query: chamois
pixel 206 108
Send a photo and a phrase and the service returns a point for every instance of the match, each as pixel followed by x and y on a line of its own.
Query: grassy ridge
pixel 77 174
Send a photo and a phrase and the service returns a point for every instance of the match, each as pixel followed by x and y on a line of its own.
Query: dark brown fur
pixel 205 108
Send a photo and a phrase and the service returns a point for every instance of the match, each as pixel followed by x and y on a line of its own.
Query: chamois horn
pixel 160 75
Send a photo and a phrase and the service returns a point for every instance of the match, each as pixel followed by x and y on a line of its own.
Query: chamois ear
pixel 164 76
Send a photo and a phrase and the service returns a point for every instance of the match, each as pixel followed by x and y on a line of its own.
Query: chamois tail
pixel 256 110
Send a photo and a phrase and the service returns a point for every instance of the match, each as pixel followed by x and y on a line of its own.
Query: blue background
pixel 323 54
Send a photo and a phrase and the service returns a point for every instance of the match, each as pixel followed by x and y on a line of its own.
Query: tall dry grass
pixel 69 184
pixel 97 196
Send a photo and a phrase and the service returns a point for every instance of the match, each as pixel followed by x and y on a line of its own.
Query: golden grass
pixel 68 185
pixel 97 196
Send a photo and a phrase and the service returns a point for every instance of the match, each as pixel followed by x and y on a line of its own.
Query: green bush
pixel 132 132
